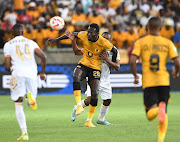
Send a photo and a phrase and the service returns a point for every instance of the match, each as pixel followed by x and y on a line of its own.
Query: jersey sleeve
pixel 118 56
pixel 35 45
pixel 172 50
pixel 6 50
pixel 107 45
pixel 81 35
pixel 137 48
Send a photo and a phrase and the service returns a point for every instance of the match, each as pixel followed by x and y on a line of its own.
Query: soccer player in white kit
pixel 105 90
pixel 20 61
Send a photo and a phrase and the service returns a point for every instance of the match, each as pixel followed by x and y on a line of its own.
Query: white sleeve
pixel 7 50
pixel 118 56
pixel 35 45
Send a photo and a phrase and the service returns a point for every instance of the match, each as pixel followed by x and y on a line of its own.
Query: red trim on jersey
pixel 118 60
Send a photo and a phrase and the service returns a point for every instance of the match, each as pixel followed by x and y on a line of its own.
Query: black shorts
pixel 154 95
pixel 89 72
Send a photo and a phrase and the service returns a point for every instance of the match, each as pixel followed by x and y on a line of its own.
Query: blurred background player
pixel 105 90
pixel 20 61
pixel 89 66
pixel 154 51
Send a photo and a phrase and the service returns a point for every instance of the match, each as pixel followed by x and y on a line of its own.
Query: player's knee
pixel 94 102
pixel 76 86
pixel 94 93
pixel 76 77
pixel 20 99
pixel 107 102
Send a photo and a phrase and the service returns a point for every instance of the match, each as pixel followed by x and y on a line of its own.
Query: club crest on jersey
pixel 97 50
pixel 90 54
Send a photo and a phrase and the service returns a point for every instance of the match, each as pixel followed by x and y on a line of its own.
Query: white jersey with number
pixel 21 51
pixel 105 73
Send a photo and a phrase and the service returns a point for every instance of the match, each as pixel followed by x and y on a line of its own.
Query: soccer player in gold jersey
pixel 89 66
pixel 154 51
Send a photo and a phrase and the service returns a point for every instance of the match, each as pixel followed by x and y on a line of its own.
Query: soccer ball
pixel 56 23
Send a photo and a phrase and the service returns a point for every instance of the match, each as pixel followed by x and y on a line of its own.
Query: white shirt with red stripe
pixel 21 51
pixel 105 73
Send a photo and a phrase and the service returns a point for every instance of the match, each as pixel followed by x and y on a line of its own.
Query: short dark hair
pixel 95 26
pixel 17 27
pixel 154 23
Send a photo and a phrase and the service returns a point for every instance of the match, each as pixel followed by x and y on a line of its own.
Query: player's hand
pixel 70 35
pixel 51 41
pixel 136 79
pixel 103 56
pixel 42 76
pixel 174 73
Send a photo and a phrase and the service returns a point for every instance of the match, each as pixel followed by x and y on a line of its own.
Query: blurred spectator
pixel 138 13
pixel 153 12
pixel 114 4
pixel 132 6
pixel 78 16
pixel 142 32
pixel 24 17
pixel 119 37
pixel 131 37
pixel 6 25
pixel 175 7
pixel 176 38
pixel 11 15
pixel 19 6
pixel 40 36
pixel 86 4
pixel 168 31
pixel 144 19
pixel 1 36
pixel 121 18
pixel 107 11
pixel 63 9
pixel 49 11
pixel 145 6
pixel 29 32
pixel 156 5
pixel 96 17
pixel 8 35
pixel 41 6
pixel 32 11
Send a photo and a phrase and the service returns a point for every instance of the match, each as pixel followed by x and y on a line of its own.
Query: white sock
pixel 21 117
pixel 103 112
pixel 89 119
pixel 83 104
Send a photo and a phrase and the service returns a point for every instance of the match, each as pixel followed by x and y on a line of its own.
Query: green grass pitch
pixel 52 123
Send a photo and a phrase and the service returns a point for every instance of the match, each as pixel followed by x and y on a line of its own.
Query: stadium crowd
pixel 125 19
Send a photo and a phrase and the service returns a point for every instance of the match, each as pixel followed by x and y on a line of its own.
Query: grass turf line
pixel 52 123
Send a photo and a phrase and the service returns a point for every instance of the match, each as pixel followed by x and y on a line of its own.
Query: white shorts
pixel 21 85
pixel 105 91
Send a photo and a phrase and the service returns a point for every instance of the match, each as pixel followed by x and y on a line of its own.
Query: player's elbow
pixel 43 58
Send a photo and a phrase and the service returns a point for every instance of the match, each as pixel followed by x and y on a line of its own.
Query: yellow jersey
pixel 154 51
pixel 92 50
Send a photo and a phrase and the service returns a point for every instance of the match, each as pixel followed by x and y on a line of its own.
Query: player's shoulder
pixel 165 39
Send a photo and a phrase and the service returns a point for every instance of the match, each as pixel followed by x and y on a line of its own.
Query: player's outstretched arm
pixel 115 65
pixel 8 63
pixel 133 59
pixel 175 70
pixel 54 40
pixel 76 49
pixel 41 54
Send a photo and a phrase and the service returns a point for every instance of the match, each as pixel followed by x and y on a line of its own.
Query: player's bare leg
pixel 77 90
pixel 94 85
pixel 21 119
pixel 103 112
pixel 163 122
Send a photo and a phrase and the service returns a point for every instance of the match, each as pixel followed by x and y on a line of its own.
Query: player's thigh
pixel 164 94
pixel 80 73
pixel 105 92
pixel 150 96
pixel 18 88
pixel 31 86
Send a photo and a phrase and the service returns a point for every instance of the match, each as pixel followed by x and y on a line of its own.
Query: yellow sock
pixel 77 94
pixel 152 113
pixel 91 111
pixel 162 129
